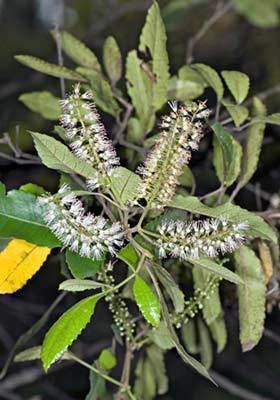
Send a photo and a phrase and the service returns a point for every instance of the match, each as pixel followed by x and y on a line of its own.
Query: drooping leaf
pixel 266 260
pixel 161 337
pixel 77 50
pixel 156 358
pixel 145 383
pixel 80 285
pixel 252 147
pixel 44 103
pixel 209 265
pixel 212 308
pixel 237 112
pixel 66 329
pixel 21 217
pixel 125 184
pixel 34 353
pixel 83 267
pixel 171 287
pixel 251 297
pixel 205 345
pixel 146 301
pixel 139 88
pixel 57 156
pixel 219 332
pixel 211 77
pixel 189 336
pixel 153 37
pixel 227 169
pixel 129 255
pixel 49 69
pixel 112 59
pixel 19 261
pixel 233 213
pixel 238 84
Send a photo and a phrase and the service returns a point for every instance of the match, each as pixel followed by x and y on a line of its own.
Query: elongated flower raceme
pixel 191 240
pixel 87 136
pixel 90 236
pixel 181 133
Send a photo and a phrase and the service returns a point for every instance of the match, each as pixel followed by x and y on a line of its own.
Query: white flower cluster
pixel 181 133
pixel 87 135
pixel 90 236
pixel 191 240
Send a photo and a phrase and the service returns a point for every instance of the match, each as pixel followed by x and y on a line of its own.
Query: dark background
pixel 232 43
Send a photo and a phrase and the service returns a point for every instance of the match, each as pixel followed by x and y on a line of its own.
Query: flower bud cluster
pixel 210 237
pixel 118 307
pixel 181 133
pixel 196 302
pixel 87 135
pixel 90 236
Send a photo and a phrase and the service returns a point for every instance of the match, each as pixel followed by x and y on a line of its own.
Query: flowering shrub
pixel 148 226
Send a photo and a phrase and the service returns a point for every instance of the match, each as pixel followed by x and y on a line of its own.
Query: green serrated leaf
pixel 252 147
pixel 82 267
pixel 205 345
pixel 257 226
pixel 189 336
pixel 209 265
pixel 125 184
pixel 188 86
pixel 49 69
pixel 238 84
pixel 219 332
pixel 156 357
pixel 107 359
pixel 153 37
pixel 66 329
pixel 145 383
pixel 237 112
pixel 161 337
pixel 21 218
pixel 79 285
pixel 77 50
pixel 225 141
pixel 146 301
pixel 57 156
pixel 129 255
pixel 44 103
pixel 171 287
pixel 212 308
pixel 112 60
pixel 251 297
pixel 211 78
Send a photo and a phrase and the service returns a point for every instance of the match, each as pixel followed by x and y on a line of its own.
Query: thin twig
pixel 59 59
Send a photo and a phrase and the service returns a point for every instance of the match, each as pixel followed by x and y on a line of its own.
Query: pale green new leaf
pixel 211 77
pixel 146 301
pixel 205 345
pixel 153 38
pixel 112 59
pixel 57 156
pixel 80 285
pixel 44 103
pixel 107 359
pixel 251 297
pixel 237 112
pixel 212 307
pixel 238 84
pixel 256 225
pixel 252 147
pixel 125 184
pixel 49 69
pixel 129 255
pixel 66 329
pixel 77 50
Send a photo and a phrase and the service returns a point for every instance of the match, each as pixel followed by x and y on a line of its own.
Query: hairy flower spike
pixel 181 133
pixel 87 135
pixel 81 232
pixel 191 240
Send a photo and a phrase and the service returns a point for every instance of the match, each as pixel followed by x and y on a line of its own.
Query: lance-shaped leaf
pixel 129 255
pixel 153 38
pixel 189 336
pixel 66 329
pixel 251 297
pixel 238 84
pixel 209 265
pixel 205 345
pixel 146 301
pixel 238 113
pixel 211 78
pixel 80 285
pixel 83 267
pixel 231 212
pixel 125 184
pixel 57 156
pixel 19 261
pixel 49 69
pixel 21 217
pixel 44 103
pixel 112 59
pixel 219 332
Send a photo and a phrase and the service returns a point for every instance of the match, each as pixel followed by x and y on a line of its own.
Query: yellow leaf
pixel 19 261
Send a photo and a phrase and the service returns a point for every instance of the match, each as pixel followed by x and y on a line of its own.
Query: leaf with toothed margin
pixel 66 329
pixel 146 301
